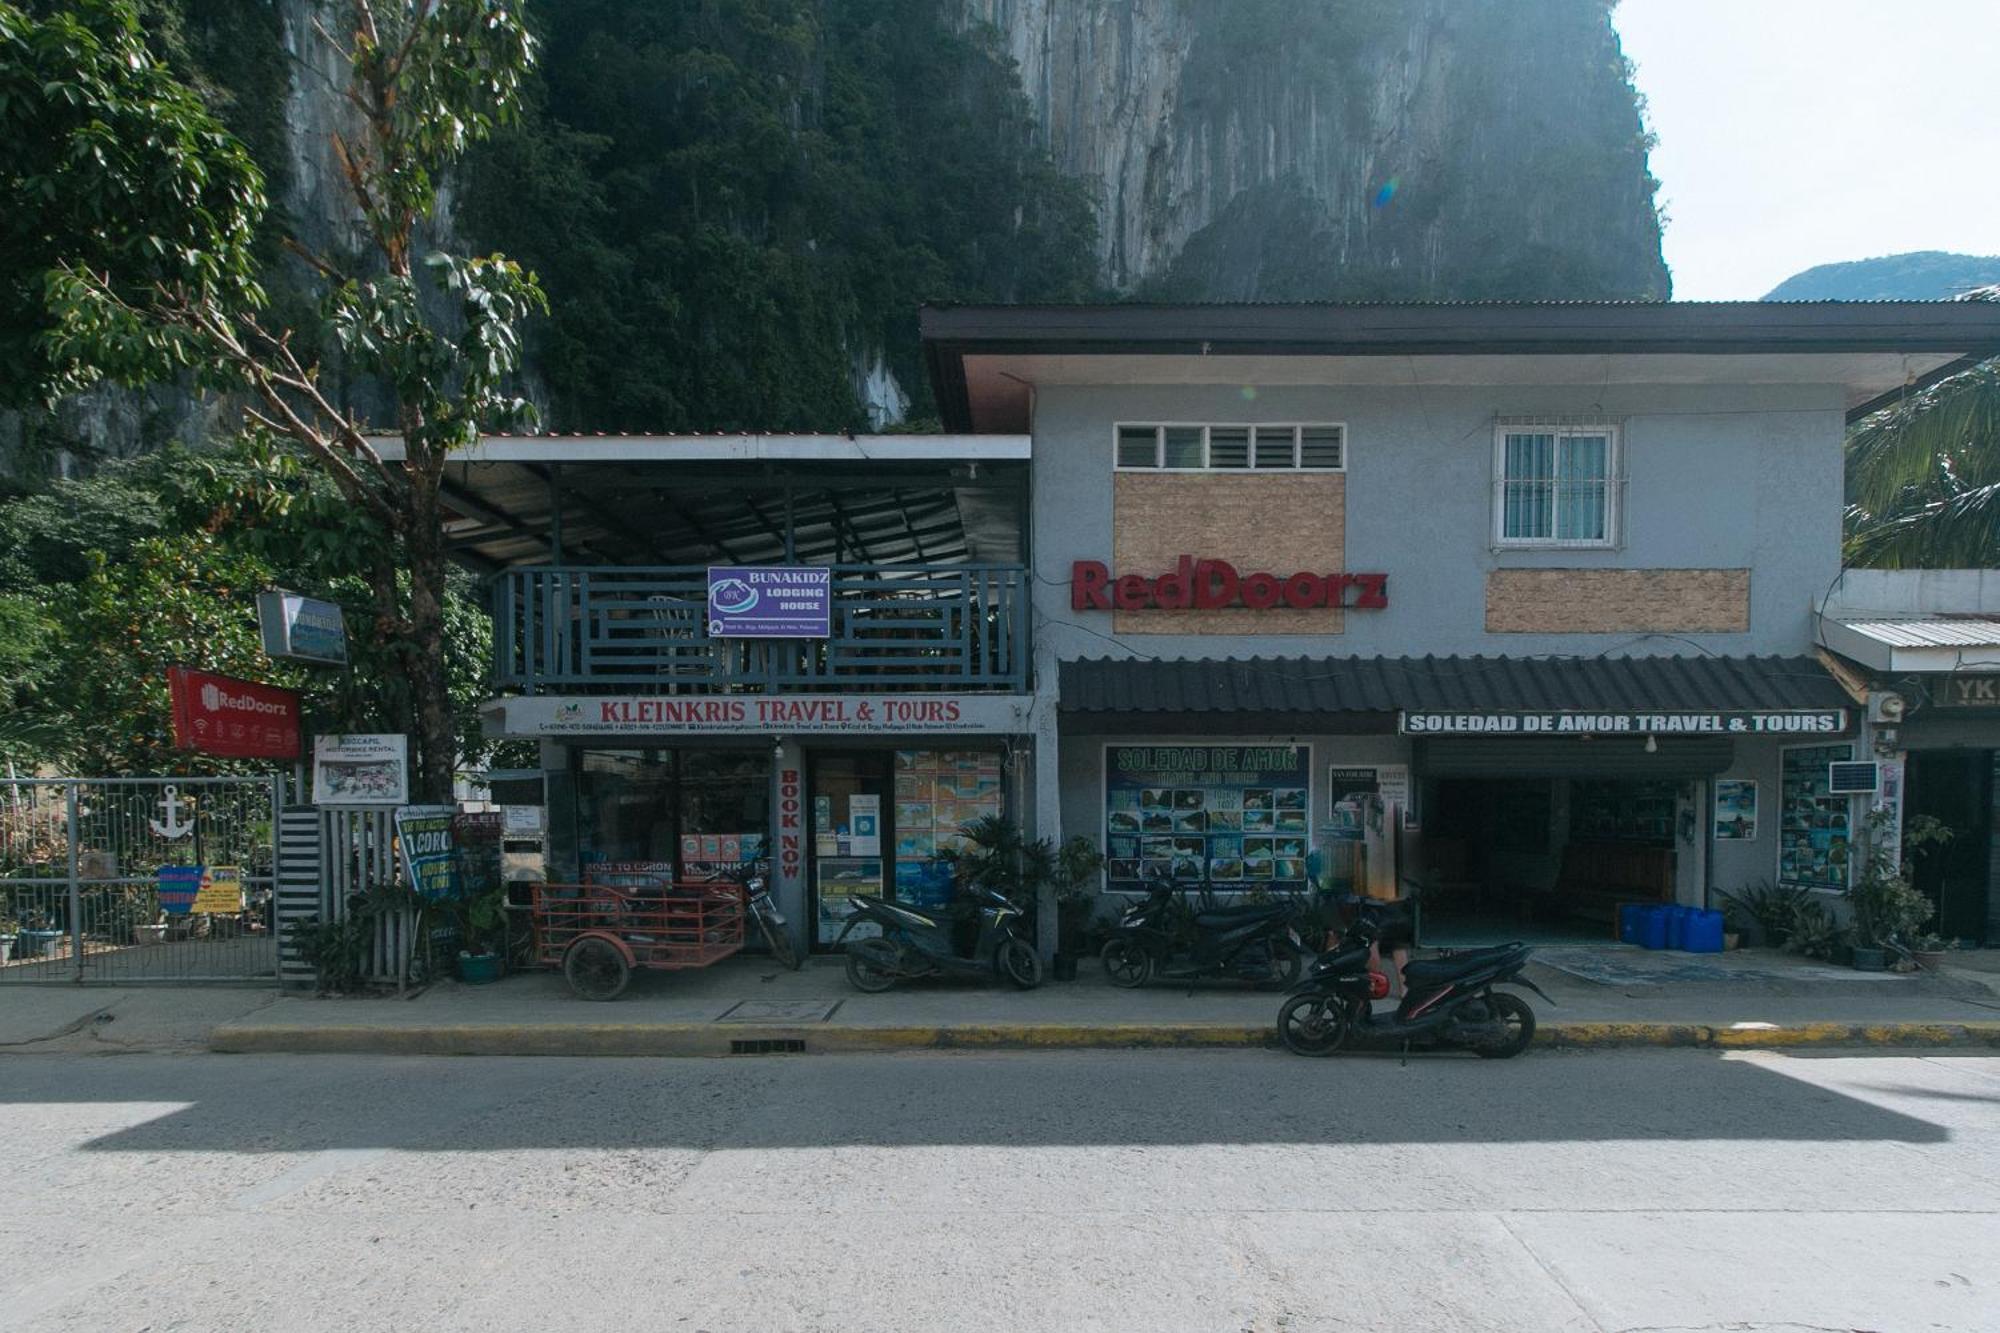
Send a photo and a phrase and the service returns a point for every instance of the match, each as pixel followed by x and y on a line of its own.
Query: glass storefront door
pixel 849 799
pixel 671 814
pixel 881 821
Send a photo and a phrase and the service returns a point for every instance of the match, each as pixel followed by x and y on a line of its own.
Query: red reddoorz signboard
pixel 236 719
pixel 1204 585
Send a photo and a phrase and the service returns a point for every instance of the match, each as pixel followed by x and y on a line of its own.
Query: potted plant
pixel 1813 931
pixel 998 857
pixel 150 932
pixel 9 928
pixel 1077 867
pixel 1887 907
pixel 1928 951
pixel 1763 913
pixel 481 919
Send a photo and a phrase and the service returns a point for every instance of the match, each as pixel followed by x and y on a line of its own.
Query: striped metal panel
pixel 300 888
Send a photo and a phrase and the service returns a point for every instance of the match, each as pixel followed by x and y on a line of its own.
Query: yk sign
pixel 237 719
pixel 769 602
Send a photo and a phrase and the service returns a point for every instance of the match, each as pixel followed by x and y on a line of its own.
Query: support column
pixel 788 848
pixel 1046 767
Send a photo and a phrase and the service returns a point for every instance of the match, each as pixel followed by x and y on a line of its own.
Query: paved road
pixel 1141 1190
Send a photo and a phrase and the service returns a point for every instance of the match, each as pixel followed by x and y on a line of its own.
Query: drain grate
pixel 768 1046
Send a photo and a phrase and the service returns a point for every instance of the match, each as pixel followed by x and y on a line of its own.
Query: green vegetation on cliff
pixel 733 202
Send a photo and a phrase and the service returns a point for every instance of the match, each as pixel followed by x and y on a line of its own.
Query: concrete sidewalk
pixel 1615 1000
pixel 746 1004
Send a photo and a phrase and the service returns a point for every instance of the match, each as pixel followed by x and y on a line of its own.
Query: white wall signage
pixel 776 714
pixel 304 628
pixel 372 769
pixel 1746 722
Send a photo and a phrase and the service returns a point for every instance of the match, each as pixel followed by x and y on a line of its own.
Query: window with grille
pixel 1232 448
pixel 1556 483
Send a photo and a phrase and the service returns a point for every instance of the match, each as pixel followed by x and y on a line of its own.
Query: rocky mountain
pixel 1919 275
pixel 736 205
pixel 1285 149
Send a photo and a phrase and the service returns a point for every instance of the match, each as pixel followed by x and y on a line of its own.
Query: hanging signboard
pixel 430 863
pixel 791 714
pixel 358 769
pixel 304 628
pixel 235 719
pixel 1728 722
pixel 1957 691
pixel 769 602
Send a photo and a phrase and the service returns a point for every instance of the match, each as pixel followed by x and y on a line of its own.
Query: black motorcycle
pixel 1167 936
pixel 1447 1001
pixel 924 943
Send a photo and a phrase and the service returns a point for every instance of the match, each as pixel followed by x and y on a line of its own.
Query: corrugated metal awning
pixel 1914 643
pixel 1446 684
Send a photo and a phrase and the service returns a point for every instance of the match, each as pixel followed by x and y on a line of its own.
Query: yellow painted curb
pixel 711 1039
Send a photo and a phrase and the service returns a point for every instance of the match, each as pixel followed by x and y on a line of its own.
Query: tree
pixel 156 561
pixel 164 278
pixel 1923 476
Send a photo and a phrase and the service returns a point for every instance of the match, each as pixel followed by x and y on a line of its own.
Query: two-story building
pixel 1543 576
pixel 1519 596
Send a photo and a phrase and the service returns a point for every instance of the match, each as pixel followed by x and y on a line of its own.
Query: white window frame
pixel 1614 482
pixel 1160 429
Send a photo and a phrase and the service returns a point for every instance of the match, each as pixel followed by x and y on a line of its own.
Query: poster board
pixel 1235 817
pixel 839 879
pixel 937 793
pixel 361 769
pixel 1735 810
pixel 428 850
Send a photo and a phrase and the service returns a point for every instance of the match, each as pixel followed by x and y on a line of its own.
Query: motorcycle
pixel 771 923
pixel 1447 1001
pixel 1161 936
pixel 921 943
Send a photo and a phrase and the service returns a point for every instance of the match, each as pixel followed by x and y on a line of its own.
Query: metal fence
pixel 80 881
pixel 938 627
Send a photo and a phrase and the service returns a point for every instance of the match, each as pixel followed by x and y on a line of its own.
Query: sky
pixel 1803 132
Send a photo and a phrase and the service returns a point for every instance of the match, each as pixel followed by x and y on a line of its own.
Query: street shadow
pixel 256 1104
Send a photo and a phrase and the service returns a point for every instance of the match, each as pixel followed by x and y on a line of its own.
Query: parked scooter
pixel 920 943
pixel 1163 936
pixel 1447 1001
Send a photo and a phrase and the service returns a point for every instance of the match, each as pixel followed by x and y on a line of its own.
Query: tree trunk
pixel 437 742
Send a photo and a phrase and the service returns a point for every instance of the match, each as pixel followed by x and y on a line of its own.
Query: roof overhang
pixel 1896 621
pixel 985 361
pixel 730 448
pixel 1899 647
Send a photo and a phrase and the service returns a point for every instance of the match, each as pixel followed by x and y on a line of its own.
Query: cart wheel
pixel 595 969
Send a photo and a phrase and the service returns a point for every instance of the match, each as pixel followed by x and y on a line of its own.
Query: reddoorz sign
pixel 1208 585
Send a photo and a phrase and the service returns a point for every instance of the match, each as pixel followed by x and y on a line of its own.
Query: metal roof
pixel 1899 644
pixel 1937 337
pixel 1443 684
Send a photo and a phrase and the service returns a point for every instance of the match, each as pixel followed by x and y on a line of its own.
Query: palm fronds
pixel 1923 476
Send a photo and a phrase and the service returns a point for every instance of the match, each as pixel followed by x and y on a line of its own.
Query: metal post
pixel 555 513
pixel 75 888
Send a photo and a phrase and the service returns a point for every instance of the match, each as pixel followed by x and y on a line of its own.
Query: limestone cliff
pixel 1294 149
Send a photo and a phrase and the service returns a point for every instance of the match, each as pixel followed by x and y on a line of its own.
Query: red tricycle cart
pixel 598 933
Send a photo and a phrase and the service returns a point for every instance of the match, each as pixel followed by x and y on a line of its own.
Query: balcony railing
pixel 940 627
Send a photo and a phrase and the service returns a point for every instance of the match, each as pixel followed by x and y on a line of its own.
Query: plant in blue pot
pixel 481 920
